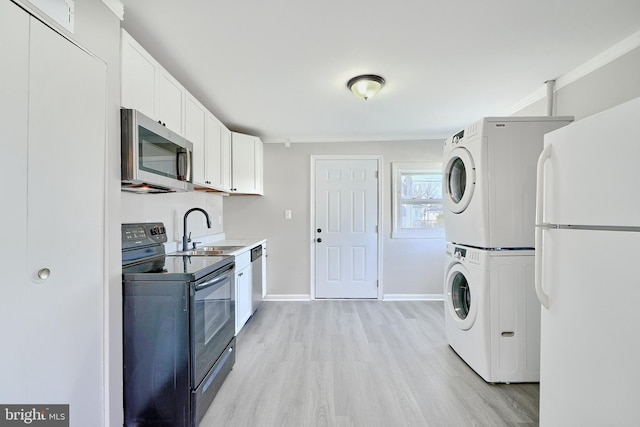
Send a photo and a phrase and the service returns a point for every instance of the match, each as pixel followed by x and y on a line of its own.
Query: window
pixel 417 200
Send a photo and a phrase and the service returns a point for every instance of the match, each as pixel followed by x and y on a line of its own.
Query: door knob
pixel 44 273
pixel 319 230
pixel 319 240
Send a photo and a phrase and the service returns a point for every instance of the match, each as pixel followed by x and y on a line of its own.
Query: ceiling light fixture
pixel 366 86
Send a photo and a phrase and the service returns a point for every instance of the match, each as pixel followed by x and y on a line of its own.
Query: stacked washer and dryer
pixel 492 314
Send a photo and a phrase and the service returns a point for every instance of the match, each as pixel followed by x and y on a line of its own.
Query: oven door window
pixel 212 322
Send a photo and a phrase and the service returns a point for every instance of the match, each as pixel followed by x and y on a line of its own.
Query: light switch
pixel 287 214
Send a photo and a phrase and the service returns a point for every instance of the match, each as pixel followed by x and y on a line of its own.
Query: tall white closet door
pixel 14 66
pixel 67 92
pixel 52 95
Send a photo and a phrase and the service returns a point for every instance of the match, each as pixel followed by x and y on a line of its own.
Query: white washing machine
pixel 489 179
pixel 492 314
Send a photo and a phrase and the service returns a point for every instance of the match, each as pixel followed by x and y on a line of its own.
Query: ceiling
pixel 278 69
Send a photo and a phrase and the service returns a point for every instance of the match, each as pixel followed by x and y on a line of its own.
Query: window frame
pixel 397 170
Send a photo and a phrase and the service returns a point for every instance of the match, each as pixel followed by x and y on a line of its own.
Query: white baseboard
pixel 413 297
pixel 386 297
pixel 287 297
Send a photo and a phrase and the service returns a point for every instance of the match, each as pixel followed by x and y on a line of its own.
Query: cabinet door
pixel 14 68
pixel 225 160
pixel 139 77
pixel 243 160
pixel 213 150
pixel 243 297
pixel 171 100
pixel 65 231
pixel 195 117
pixel 258 161
pixel 264 270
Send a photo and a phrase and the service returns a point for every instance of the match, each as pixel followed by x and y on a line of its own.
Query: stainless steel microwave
pixel 154 158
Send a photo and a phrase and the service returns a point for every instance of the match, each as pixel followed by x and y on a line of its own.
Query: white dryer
pixel 489 177
pixel 492 314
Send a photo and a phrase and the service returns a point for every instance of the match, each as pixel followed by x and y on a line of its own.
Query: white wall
pixel 410 266
pixel 170 208
pixel 603 88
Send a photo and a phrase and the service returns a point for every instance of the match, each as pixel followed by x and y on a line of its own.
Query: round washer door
pixel 459 180
pixel 462 303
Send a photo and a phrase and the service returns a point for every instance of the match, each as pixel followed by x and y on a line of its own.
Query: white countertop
pixel 219 240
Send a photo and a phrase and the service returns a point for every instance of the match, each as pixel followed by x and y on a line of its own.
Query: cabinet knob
pixel 44 273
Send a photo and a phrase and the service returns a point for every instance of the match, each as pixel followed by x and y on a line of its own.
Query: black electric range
pixel 144 257
pixel 178 329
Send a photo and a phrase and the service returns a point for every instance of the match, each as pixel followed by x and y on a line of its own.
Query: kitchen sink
pixel 208 250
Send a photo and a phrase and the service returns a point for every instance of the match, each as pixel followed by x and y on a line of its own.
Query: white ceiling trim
pixel 320 139
pixel 616 51
pixel 116 6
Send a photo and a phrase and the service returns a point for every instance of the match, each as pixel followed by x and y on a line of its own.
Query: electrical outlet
pixel 287 214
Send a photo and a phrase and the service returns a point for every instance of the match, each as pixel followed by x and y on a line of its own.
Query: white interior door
pixel 346 221
pixel 51 324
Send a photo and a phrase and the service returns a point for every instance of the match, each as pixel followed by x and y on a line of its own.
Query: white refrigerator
pixel 587 253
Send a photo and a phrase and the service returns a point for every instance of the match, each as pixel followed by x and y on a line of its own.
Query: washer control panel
pixel 463 254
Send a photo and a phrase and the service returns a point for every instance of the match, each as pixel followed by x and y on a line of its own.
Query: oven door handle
pixel 212 282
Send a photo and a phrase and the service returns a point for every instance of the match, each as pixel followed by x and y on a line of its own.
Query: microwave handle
pixel 183 166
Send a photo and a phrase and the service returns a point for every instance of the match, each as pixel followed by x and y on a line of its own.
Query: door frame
pixel 312 216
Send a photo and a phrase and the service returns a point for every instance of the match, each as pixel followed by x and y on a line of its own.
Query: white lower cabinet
pixel 243 289
pixel 264 270
pixel 52 262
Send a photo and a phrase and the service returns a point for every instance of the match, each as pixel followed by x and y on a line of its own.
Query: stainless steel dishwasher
pixel 256 278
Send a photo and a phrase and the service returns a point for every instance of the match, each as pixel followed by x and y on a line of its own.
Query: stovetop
pixel 166 267
pixel 144 258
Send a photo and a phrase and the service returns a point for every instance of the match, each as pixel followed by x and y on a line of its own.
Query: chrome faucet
pixel 186 238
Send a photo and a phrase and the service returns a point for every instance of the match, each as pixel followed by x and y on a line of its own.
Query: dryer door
pixel 462 302
pixel 459 180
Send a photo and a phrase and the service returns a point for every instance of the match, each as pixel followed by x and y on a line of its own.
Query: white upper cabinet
pixel 246 159
pixel 259 159
pixel 147 87
pixel 195 130
pixel 138 77
pixel 222 160
pixel 171 102
pixel 218 155
pixel 225 159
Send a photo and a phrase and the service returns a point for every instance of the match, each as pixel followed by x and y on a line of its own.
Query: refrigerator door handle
pixel 544 156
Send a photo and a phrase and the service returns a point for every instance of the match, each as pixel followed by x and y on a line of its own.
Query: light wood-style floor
pixel 359 363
